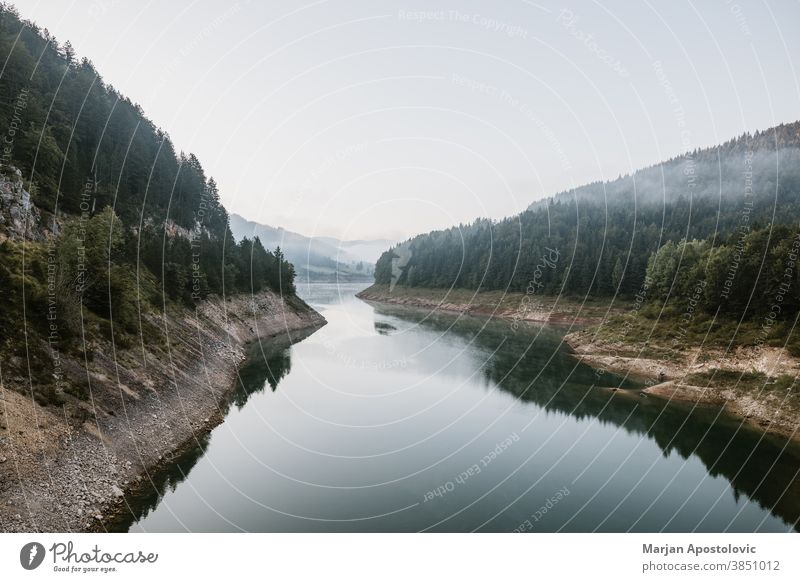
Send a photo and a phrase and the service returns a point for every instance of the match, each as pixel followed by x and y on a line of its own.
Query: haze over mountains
pixel 723 218
pixel 716 172
pixel 316 258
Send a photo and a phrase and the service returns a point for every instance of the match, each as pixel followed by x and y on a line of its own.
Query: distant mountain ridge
pixel 608 238
pixel 316 258
pixel 703 172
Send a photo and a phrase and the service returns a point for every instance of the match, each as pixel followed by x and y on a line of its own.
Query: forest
pixel 103 224
pixel 723 220
pixel 128 220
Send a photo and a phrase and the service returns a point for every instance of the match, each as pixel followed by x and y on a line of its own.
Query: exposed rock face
pixel 19 217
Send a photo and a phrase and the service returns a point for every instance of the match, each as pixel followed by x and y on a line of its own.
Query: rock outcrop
pixel 19 217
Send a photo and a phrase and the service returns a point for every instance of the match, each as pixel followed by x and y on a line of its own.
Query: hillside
pixel 106 218
pixel 689 270
pixel 613 239
pixel 83 149
pixel 126 303
pixel 709 173
pixel 126 412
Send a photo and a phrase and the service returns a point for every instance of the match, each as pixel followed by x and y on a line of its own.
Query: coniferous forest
pixel 619 356
pixel 717 226
pixel 133 219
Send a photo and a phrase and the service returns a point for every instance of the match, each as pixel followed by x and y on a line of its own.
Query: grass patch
pixel 741 381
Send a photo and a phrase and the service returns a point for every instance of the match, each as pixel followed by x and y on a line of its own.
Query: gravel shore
pixel 145 405
pixel 707 376
pixel 668 372
pixel 517 308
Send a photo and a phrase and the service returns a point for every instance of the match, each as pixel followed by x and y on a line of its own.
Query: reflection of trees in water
pixel 260 370
pixel 163 482
pixel 266 364
pixel 533 365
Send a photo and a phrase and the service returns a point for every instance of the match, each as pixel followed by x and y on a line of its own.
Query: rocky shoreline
pixel 515 307
pixel 706 376
pixel 669 373
pixel 145 406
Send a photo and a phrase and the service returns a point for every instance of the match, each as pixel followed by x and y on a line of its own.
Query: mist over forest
pixel 725 215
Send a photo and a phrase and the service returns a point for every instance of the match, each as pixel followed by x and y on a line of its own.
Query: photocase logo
pixel 31 555
pixel 399 261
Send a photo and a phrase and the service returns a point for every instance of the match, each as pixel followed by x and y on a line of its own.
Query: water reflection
pixel 762 467
pixel 267 363
pixel 385 404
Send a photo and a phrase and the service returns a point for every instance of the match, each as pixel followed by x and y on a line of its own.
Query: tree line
pixel 725 216
pixel 130 216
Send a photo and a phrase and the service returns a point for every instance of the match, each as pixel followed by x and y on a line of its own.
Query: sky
pixel 373 119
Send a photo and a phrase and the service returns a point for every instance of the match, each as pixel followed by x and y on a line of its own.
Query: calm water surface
pixel 391 419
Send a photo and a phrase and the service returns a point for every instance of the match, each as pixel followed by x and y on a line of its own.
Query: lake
pixel 396 419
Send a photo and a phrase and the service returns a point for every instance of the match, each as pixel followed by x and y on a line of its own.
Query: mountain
pixel 316 258
pixel 708 173
pixel 125 305
pixel 102 220
pixel 714 228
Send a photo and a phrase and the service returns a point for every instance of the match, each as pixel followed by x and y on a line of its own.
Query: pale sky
pixel 367 118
